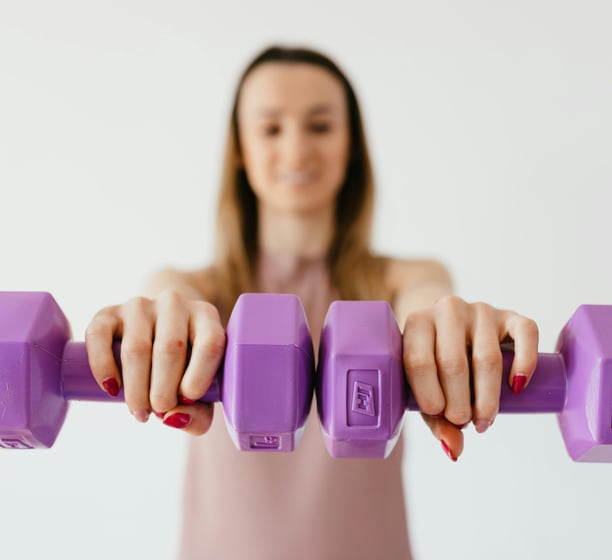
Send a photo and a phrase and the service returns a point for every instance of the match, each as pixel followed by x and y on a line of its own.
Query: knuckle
pixel 193 387
pixel 163 401
pixel 96 328
pixel 418 366
pixel 212 342
pixel 136 347
pixel 170 297
pixel 487 361
pixel 173 348
pixel 107 314
pixel 207 310
pixel 451 304
pixel 416 317
pixel 430 405
pixel 530 327
pixel 482 309
pixel 458 415
pixel 139 304
pixel 102 323
pixel 452 365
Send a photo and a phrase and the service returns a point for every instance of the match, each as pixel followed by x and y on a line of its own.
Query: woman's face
pixel 294 136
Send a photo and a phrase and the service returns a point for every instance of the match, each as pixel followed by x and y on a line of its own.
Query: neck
pixel 300 235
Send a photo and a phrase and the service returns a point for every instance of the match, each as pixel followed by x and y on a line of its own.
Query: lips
pixel 297 178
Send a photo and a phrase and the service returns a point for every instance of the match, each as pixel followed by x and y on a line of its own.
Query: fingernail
pixel 111 386
pixel 436 416
pixel 461 426
pixel 185 400
pixel 482 426
pixel 518 383
pixel 141 415
pixel 448 452
pixel 178 420
pixel 160 415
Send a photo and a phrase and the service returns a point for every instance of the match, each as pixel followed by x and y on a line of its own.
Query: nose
pixel 296 148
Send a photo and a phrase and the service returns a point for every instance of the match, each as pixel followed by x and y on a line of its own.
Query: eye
pixel 320 127
pixel 270 130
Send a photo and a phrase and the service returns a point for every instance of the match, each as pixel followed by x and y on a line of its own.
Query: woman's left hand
pixel 441 342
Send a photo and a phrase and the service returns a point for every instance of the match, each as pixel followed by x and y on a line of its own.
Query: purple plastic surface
pixel 33 333
pixel 362 392
pixel 586 419
pixel 269 343
pixel 266 379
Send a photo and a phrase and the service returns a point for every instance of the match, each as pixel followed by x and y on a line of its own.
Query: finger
pixel 420 364
pixel 487 366
pixel 194 419
pixel 449 435
pixel 208 346
pixel 452 362
pixel 524 332
pixel 136 348
pixel 99 335
pixel 169 351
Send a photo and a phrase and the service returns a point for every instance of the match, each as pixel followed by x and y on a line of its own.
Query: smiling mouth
pixel 298 178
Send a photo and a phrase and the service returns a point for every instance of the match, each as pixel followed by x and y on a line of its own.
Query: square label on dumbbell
pixel 362 393
pixel 14 443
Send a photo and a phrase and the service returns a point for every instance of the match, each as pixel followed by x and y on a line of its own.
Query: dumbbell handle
pixel 79 384
pixel 546 392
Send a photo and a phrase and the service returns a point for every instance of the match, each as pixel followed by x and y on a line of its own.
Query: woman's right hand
pixel 155 335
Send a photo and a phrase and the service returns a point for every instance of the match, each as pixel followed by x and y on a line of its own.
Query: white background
pixel 490 129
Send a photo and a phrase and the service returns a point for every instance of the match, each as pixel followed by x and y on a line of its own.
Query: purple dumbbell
pixel 265 381
pixel 362 392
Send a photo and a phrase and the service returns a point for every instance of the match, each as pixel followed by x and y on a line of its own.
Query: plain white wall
pixel 490 128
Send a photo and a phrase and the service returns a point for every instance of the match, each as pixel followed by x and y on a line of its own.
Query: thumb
pixel 449 435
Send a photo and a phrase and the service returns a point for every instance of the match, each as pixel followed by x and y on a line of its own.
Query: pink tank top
pixel 300 505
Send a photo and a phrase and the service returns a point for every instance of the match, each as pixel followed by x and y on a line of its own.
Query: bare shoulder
pixel 416 283
pixel 194 284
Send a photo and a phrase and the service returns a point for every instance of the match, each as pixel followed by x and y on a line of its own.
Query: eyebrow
pixel 315 110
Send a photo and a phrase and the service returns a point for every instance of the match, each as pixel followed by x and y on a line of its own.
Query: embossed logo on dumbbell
pixel 363 398
pixel 265 442
pixel 14 443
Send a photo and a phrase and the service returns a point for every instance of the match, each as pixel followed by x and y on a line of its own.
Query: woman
pixel 294 216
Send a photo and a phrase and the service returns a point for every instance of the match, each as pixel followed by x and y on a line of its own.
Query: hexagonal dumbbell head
pixel 586 419
pixel 361 389
pixel 33 333
pixel 268 383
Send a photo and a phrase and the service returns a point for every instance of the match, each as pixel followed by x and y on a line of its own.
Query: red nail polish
pixel 185 400
pixel 178 420
pixel 518 383
pixel 448 451
pixel 160 415
pixel 437 416
pixel 111 386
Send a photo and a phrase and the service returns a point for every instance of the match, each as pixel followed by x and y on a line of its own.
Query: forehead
pixel 279 87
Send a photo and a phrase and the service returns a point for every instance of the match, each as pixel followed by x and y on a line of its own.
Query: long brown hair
pixel 354 270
